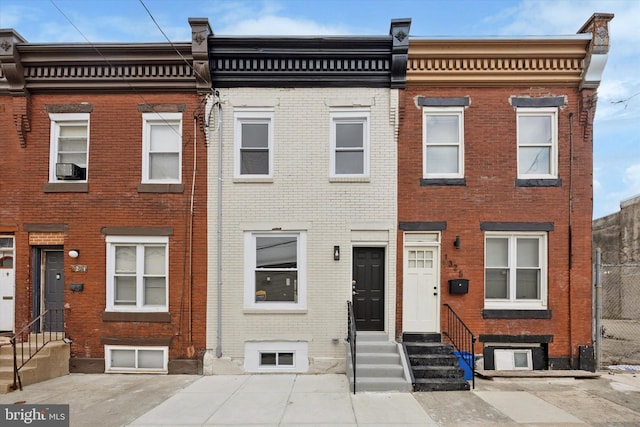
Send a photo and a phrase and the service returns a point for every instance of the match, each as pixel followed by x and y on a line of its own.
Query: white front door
pixel 7 284
pixel 421 300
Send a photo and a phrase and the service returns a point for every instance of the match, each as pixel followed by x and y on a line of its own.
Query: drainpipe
pixel 191 350
pixel 219 235
pixel 570 233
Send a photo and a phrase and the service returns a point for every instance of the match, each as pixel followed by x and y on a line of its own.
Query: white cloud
pixel 632 179
pixel 279 25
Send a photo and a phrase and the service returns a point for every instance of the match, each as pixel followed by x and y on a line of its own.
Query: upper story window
pixel 537 143
pixel 69 153
pixel 515 270
pixel 350 143
pixel 253 143
pixel 443 142
pixel 137 273
pixel 275 270
pixel 162 148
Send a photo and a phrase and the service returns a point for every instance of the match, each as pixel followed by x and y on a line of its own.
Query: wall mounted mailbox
pixel 76 287
pixel 458 286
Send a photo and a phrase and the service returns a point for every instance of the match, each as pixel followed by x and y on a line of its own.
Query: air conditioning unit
pixel 70 171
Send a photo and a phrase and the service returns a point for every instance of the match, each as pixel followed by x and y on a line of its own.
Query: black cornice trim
pixel 300 61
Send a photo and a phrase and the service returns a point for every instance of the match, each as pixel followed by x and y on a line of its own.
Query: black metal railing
pixel 352 334
pixel 462 339
pixel 32 338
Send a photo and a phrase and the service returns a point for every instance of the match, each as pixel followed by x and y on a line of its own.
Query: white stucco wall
pixel 300 197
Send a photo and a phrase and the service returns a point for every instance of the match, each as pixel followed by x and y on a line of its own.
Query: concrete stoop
pixel 50 362
pixel 379 365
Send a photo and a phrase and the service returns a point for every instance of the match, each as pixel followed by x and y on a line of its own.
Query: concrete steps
pixel 50 362
pixel 433 364
pixel 379 366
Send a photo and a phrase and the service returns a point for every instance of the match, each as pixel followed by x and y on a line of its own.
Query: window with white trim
pixel 350 143
pixel 128 359
pixel 162 148
pixel 515 270
pixel 443 142
pixel 276 356
pixel 137 273
pixel 253 143
pixel 69 152
pixel 275 270
pixel 537 143
pixel 277 359
pixel 513 359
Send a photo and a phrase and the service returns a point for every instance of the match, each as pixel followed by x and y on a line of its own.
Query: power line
pixel 124 79
pixel 169 40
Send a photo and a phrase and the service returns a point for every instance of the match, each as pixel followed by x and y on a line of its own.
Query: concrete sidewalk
pixel 284 400
pixel 325 400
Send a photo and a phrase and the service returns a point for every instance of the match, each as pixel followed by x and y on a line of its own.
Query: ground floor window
pixel 122 359
pixel 515 270
pixel 280 356
pixel 275 270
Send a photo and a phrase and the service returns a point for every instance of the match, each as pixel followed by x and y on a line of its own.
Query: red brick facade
pixel 114 85
pixel 112 200
pixel 490 195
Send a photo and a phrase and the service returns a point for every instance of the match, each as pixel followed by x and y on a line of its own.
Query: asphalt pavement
pixel 612 399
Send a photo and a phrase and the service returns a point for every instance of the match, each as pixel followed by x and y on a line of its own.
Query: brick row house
pixel 261 185
pixel 306 182
pixel 495 193
pixel 103 213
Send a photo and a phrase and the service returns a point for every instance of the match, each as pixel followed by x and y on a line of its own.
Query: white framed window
pixel 162 148
pixel 537 143
pixel 350 143
pixel 443 142
pixel 69 152
pixel 276 356
pixel 275 270
pixel 515 270
pixel 513 359
pixel 131 359
pixel 253 143
pixel 137 273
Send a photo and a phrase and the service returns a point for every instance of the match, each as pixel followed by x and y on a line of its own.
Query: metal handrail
pixel 462 340
pixel 352 334
pixel 41 329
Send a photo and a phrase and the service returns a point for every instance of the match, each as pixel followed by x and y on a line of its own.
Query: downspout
pixel 219 236
pixel 570 232
pixel 190 349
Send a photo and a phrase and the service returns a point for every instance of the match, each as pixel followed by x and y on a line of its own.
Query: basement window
pixel 513 360
pixel 276 356
pixel 277 359
pixel 123 359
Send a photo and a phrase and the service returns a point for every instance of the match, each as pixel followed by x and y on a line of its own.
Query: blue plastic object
pixel 468 358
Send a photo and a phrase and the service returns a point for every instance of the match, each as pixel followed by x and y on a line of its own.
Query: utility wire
pixel 169 40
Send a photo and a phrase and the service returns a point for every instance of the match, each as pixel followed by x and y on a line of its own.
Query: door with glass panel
pixel 7 284
pixel 420 290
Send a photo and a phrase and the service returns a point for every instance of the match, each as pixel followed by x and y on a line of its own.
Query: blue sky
pixel 617 122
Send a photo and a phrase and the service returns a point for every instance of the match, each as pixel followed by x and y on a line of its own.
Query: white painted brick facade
pixel 301 196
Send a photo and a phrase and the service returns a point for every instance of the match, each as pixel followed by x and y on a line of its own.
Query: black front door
pixel 368 287
pixel 54 290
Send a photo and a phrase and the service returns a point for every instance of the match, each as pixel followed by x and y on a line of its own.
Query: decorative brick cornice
pixel 105 67
pixel 496 62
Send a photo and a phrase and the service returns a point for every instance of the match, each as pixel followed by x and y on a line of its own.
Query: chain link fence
pixel 619 316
